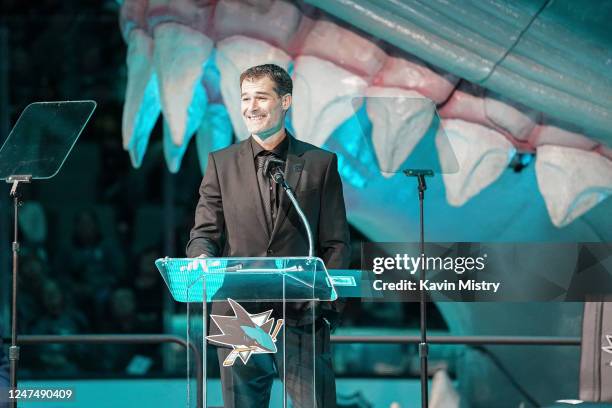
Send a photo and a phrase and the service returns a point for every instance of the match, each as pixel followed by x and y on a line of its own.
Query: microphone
pixel 273 168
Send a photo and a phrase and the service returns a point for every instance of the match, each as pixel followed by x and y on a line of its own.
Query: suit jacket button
pixel 270 252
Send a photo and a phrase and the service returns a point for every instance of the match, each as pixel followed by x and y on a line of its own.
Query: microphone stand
pixel 423 346
pixel 273 167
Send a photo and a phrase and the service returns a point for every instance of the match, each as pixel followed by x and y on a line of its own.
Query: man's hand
pixel 195 264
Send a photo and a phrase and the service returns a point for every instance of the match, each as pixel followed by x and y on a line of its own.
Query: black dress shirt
pixel 269 190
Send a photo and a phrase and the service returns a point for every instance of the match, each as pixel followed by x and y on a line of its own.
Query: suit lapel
pixel 293 171
pixel 246 168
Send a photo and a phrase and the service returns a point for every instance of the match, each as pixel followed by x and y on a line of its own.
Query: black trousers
pixel 249 385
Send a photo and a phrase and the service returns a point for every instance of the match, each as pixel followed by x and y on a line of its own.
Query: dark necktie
pixel 265 188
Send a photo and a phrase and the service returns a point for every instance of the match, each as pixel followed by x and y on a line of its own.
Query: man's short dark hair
pixel 282 80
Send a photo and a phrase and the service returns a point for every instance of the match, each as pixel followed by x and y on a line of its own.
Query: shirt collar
pixel 279 151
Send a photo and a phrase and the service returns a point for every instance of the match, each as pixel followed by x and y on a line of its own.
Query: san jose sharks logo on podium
pixel 246 333
pixel 608 348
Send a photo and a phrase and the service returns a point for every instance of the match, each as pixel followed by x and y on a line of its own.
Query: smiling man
pixel 242 213
pixel 263 108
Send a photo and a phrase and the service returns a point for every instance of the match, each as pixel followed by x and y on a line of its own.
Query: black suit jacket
pixel 229 218
pixel 230 222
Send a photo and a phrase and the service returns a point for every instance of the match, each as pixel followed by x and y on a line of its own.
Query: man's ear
pixel 286 102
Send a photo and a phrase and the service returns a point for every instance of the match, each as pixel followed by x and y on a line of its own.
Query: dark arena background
pixel 519 90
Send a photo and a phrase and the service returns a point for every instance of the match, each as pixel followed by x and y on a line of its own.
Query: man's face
pixel 263 110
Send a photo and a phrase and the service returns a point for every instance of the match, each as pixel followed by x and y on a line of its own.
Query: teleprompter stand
pixel 412 142
pixel 36 148
pixel 423 346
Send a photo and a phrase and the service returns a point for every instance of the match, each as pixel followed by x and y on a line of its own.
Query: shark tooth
pixel 142 102
pixel 180 54
pixel 234 55
pixel 572 181
pixel 400 118
pixel 482 155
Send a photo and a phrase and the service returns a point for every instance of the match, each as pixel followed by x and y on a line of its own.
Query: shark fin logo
pixel 608 348
pixel 246 333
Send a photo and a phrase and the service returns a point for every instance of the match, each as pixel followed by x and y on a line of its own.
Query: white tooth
pixel 474 104
pixel 142 104
pixel 482 155
pixel 234 55
pixel 322 98
pixel 399 119
pixel 572 181
pixel 172 153
pixel 214 134
pixel 179 55
pixel 443 393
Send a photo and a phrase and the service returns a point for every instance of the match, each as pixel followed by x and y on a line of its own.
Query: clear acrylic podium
pixel 243 305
